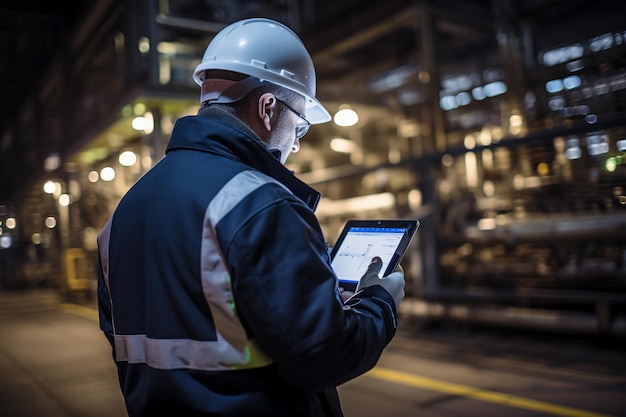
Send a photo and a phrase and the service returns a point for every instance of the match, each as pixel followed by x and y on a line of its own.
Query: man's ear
pixel 266 110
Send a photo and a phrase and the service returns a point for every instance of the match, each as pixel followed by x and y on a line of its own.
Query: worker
pixel 215 287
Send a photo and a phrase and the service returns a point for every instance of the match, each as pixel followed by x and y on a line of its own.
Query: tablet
pixel 361 240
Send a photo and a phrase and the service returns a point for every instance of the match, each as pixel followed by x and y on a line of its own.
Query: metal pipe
pixel 512 317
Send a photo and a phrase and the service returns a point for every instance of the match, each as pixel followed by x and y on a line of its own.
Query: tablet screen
pixel 361 240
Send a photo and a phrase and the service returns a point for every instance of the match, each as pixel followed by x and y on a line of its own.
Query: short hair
pixel 238 106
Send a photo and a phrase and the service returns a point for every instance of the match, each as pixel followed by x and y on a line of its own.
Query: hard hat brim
pixel 316 113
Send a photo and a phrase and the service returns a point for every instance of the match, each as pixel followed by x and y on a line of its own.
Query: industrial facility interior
pixel 499 124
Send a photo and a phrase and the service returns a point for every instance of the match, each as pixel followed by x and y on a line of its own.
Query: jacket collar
pixel 219 132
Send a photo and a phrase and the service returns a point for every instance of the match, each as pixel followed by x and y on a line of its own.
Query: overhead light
pixel 487 223
pixel 5 241
pixel 49 187
pixel 554 86
pixel 572 148
pixel 107 174
pixel 65 200
pixel 597 143
pixel 346 116
pixel 382 201
pixel 50 222
pixel 515 120
pixel 343 145
pixel 127 158
pixel 144 123
pixel 11 223
pixel 52 162
pixel 611 164
pixel 144 45
pixel 494 89
pixel 573 153
pixel 139 123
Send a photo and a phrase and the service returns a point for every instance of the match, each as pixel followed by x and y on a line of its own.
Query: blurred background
pixel 499 124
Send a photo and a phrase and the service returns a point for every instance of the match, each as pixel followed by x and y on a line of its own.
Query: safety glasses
pixel 302 125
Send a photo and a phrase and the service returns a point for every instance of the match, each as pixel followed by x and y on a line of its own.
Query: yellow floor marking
pixel 478 394
pixel 429 383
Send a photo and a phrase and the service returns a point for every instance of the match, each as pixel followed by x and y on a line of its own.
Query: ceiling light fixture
pixel 345 116
pixel 343 145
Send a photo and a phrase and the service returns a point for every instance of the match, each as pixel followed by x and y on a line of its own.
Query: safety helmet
pixel 266 50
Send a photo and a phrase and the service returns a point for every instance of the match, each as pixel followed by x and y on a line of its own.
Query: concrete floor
pixel 54 362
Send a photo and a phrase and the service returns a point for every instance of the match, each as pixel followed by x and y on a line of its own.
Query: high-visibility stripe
pixel 232 349
pixel 103 249
pixel 215 276
pixel 234 191
pixel 186 354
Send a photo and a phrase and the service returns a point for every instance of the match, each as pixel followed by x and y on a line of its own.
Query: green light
pixel 610 164
pixel 127 111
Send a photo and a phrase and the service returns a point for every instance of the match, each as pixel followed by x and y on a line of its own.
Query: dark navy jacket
pixel 215 287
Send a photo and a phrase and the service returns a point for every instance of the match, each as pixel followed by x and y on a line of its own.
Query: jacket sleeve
pixel 287 296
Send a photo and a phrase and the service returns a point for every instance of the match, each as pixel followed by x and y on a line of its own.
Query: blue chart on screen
pixel 360 245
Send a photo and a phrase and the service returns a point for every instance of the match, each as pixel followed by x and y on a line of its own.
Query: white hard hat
pixel 268 51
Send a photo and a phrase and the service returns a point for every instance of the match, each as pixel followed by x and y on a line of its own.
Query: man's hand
pixel 392 283
pixel 345 295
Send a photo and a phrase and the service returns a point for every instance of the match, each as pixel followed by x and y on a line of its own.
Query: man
pixel 215 287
